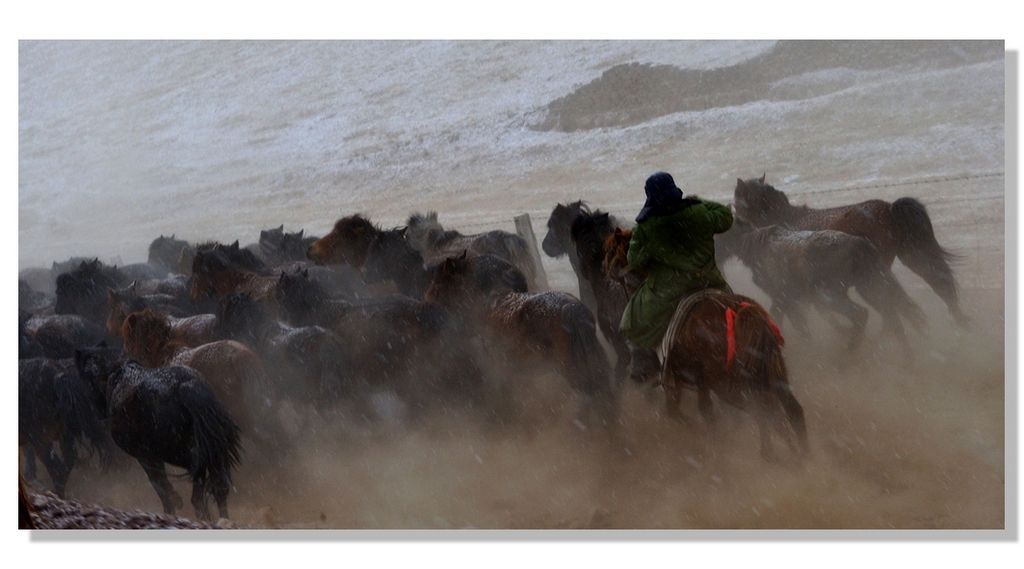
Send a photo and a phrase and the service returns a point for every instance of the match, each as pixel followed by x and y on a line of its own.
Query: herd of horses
pixel 191 356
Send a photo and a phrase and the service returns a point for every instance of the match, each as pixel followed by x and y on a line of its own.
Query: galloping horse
pixel 436 244
pixel 55 405
pixel 551 328
pixel 795 267
pixel 234 372
pixel 723 344
pixel 167 415
pixel 900 229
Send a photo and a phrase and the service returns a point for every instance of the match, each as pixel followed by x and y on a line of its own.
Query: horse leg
pixel 706 406
pixel 157 474
pixel 54 466
pixel 30 462
pixel 838 301
pixel 794 416
pixel 199 501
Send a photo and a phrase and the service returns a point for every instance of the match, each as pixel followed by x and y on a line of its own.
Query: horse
pixel 558 242
pixel 411 347
pixel 234 372
pixel 83 290
pixel 724 344
pixel 57 335
pixel 819 267
pixel 219 270
pixel 551 329
pixel 191 331
pixel 309 363
pixel 587 233
pixel 279 247
pixel 167 415
pixel 56 406
pixel 435 244
pixel 390 256
pixel 900 229
pixel 164 253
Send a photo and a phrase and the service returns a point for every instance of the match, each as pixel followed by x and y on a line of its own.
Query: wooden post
pixel 525 230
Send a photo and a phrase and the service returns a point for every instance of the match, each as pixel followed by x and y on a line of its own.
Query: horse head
pixel 760 203
pixel 556 243
pixel 345 244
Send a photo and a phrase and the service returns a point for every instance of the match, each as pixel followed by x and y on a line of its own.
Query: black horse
pixel 167 415
pixel 164 253
pixel 56 406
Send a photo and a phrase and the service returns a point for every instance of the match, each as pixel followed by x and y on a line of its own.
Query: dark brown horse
pixel 234 372
pixel 819 267
pixel 724 344
pixel 167 415
pixel 220 270
pixel 56 407
pixel 435 244
pixel 551 329
pixel 899 229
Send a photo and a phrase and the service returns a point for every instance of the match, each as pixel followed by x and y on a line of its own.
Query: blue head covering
pixel 662 196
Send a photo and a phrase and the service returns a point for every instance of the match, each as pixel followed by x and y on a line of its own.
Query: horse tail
pixel 217 437
pixel 80 417
pixel 920 251
pixel 759 360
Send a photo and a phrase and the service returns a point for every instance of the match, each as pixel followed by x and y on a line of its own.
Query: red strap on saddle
pixel 730 333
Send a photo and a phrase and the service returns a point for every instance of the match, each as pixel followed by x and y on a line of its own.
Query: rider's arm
pixel 638 255
pixel 720 216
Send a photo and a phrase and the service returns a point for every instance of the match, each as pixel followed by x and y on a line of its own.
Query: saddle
pixel 678 317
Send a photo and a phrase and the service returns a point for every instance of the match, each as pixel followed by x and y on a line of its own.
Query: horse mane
pixel 355 224
pixel 426 230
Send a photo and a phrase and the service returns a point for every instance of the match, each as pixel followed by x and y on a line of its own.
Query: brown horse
pixel 234 372
pixel 552 329
pixel 898 229
pixel 819 267
pixel 221 270
pixel 435 244
pixel 190 331
pixel 723 344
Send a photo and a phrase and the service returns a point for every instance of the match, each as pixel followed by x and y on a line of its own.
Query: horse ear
pixel 305 273
pixel 739 183
pixel 234 246
pixel 462 257
pixel 762 177
pixel 301 231
pixel 281 228
pixel 134 287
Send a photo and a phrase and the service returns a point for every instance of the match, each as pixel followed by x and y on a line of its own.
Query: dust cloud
pixel 894 444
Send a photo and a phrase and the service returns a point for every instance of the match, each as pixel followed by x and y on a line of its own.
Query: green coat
pixel 678 253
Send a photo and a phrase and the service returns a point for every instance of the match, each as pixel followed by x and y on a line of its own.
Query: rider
pixel 673 242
